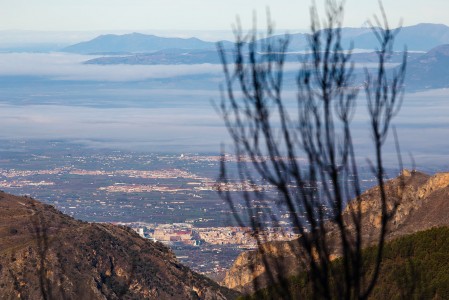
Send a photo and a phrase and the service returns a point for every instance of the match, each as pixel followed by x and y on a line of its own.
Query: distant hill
pixel 136 43
pixel 44 252
pixel 420 37
pixel 139 49
pixel 430 70
pixel 424 204
pixel 424 70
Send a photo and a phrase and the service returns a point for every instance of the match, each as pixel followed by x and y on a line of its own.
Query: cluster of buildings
pixel 188 235
pixel 23 183
pixel 139 188
pixel 243 236
pixel 176 233
pixel 167 233
pixel 217 158
pixel 10 173
pixel 236 186
pixel 154 174
pixel 228 235
pixel 206 185
pixel 232 158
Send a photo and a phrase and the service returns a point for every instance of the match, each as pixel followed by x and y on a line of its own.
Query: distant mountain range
pixel 421 37
pixel 424 70
pixel 430 70
pixel 136 42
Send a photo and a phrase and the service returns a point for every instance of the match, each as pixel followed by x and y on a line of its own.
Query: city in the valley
pixel 171 198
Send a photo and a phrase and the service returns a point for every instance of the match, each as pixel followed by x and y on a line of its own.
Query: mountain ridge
pixel 430 70
pixel 424 204
pixel 414 266
pixel 136 42
pixel 44 252
pixel 420 37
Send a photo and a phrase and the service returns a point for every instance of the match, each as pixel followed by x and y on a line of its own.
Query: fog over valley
pixel 164 107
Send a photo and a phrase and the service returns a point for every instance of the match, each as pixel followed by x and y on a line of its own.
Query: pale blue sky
pixel 81 15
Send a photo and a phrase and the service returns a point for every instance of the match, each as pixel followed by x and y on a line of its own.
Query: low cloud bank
pixel 61 66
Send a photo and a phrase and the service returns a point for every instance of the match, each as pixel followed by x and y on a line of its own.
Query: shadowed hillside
pixel 430 70
pixel 414 266
pixel 422 203
pixel 45 254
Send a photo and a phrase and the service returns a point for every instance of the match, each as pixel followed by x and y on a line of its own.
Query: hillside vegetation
pixel 422 204
pixel 415 266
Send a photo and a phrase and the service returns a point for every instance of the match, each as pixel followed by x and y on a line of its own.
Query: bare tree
pixel 273 134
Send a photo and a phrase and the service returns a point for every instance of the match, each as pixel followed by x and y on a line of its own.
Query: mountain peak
pixel 429 25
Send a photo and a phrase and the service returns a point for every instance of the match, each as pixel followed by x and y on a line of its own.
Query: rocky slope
pixel 415 266
pixel 423 203
pixel 45 254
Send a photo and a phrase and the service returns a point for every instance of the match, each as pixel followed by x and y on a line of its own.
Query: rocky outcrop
pixel 421 202
pixel 248 265
pixel 44 252
pixel 436 182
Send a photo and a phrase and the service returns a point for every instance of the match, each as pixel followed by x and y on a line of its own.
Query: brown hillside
pixel 44 252
pixel 423 203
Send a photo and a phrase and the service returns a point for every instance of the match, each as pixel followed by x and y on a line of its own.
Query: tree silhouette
pixel 272 134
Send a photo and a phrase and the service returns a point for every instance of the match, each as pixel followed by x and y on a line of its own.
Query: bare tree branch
pixel 315 193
